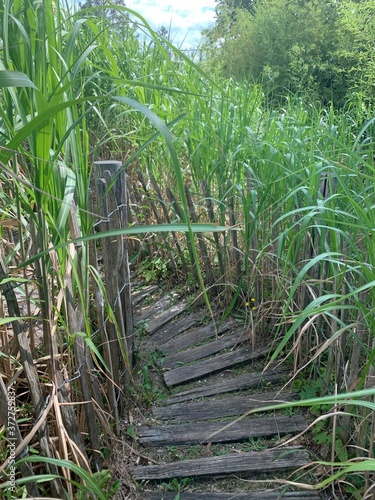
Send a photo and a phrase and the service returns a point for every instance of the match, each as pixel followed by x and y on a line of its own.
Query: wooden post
pixel 111 204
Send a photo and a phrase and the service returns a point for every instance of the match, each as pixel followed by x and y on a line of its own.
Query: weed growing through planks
pixel 147 391
pixel 148 385
pixel 149 371
pixel 171 451
pixel 141 327
pixel 255 444
pixel 176 485
pixel 191 452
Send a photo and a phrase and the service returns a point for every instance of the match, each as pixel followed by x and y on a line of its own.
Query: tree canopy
pixel 317 47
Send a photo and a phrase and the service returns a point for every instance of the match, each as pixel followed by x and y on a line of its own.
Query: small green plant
pixel 190 452
pixel 103 480
pixel 141 327
pixel 177 484
pixel 171 450
pixel 322 437
pixel 154 269
pixel 131 432
pixel 255 444
pixel 148 385
pixel 309 389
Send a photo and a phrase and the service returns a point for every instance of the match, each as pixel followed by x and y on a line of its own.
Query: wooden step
pixel 234 495
pixel 159 319
pixel 195 336
pixel 219 408
pixel 150 310
pixel 174 328
pixel 228 341
pixel 138 296
pixel 241 464
pixel 241 382
pixel 220 432
pixel 221 362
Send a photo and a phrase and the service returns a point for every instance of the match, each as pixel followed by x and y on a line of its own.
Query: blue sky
pixel 184 18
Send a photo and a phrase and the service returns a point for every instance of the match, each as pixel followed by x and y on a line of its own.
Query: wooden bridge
pixel 213 377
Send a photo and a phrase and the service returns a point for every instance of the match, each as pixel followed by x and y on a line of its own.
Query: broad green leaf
pixel 15 79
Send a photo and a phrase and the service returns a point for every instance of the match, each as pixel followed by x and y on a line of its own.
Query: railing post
pixel 109 183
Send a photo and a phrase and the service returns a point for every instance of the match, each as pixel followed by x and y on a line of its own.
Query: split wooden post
pixel 111 205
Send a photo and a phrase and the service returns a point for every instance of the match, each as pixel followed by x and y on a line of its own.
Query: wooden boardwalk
pixel 214 377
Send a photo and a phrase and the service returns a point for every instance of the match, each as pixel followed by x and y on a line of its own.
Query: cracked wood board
pixel 151 310
pixel 219 408
pixel 163 317
pixel 241 382
pixel 195 336
pixel 202 351
pixel 220 432
pixel 137 297
pixel 200 369
pixel 234 463
pixel 233 495
pixel 171 330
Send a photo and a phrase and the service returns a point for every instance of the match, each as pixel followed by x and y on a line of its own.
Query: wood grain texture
pixel 159 319
pixel 200 369
pixel 171 330
pixel 195 336
pixel 228 341
pixel 220 432
pixel 233 495
pixel 235 463
pixel 148 311
pixel 137 297
pixel 219 408
pixel 241 382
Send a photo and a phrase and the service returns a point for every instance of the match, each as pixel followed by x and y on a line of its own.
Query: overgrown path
pixel 198 446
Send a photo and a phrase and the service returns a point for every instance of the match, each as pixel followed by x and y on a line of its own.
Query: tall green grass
pixel 294 185
pixel 67 80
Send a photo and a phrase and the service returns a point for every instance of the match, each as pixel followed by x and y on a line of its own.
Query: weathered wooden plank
pixel 220 432
pixel 197 370
pixel 233 495
pixel 194 336
pixel 163 317
pixel 205 350
pixel 241 382
pixel 137 297
pixel 161 305
pixel 235 463
pixel 171 330
pixel 218 408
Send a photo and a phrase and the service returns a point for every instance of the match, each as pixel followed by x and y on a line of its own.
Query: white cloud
pixel 184 19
